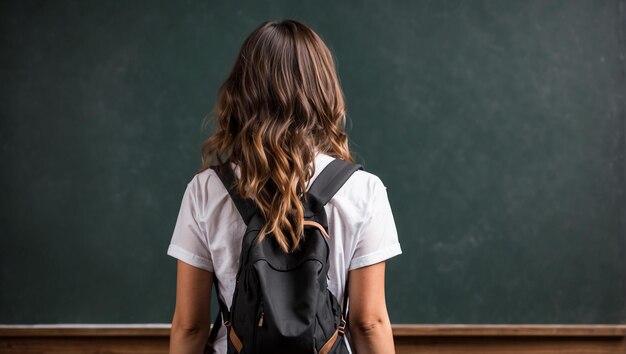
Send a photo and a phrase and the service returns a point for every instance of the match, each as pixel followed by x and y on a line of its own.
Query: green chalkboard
pixel 498 128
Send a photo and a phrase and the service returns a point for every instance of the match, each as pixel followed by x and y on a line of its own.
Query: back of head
pixel 280 105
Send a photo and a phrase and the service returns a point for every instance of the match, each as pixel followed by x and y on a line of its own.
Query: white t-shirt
pixel 209 230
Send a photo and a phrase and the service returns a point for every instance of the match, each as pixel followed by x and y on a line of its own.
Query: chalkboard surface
pixel 497 126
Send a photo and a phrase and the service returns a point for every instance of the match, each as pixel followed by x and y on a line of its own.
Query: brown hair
pixel 281 104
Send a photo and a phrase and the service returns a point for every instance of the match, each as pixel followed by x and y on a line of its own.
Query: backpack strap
pixel 245 207
pixel 223 315
pixel 344 311
pixel 327 183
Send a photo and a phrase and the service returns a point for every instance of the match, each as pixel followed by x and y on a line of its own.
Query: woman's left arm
pixel 192 319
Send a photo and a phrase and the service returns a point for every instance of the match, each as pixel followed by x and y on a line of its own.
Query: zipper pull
pixel 262 313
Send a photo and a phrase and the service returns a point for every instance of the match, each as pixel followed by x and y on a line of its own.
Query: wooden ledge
pixel 399 330
pixel 91 330
pixel 408 330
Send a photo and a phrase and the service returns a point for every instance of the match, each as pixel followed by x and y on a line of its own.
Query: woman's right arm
pixel 369 323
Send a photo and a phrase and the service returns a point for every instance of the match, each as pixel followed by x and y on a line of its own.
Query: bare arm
pixel 369 326
pixel 191 323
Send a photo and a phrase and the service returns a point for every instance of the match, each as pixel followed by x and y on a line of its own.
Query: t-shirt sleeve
pixel 377 239
pixel 189 241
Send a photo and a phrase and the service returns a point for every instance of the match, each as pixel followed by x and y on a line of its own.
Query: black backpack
pixel 281 303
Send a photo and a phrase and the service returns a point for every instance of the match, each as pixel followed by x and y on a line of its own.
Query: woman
pixel 280 120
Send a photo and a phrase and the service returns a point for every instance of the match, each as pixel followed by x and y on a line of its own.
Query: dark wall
pixel 497 126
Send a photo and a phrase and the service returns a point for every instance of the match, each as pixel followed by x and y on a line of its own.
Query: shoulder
pixel 365 181
pixel 361 182
pixel 206 189
pixel 204 180
pixel 360 191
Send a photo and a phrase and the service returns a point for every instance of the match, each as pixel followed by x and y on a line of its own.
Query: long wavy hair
pixel 280 106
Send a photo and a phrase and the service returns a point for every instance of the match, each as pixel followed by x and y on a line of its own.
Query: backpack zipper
pixel 260 323
pixel 262 314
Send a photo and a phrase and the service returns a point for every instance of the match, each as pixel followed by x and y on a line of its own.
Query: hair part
pixel 280 105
